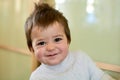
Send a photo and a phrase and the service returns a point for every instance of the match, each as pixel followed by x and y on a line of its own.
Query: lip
pixel 52 55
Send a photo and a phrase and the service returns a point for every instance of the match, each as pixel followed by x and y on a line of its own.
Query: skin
pixel 50 45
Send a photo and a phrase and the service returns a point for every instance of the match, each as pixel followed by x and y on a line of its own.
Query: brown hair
pixel 44 15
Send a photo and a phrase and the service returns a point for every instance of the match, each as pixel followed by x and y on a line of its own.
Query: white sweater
pixel 76 66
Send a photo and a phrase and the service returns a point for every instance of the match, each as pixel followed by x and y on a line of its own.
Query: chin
pixel 54 63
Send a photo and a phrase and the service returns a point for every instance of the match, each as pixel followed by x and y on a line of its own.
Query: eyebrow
pixel 59 35
pixel 41 39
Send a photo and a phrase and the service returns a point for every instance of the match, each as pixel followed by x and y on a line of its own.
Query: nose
pixel 50 46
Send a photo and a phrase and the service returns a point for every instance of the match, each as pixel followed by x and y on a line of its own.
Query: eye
pixel 41 43
pixel 58 39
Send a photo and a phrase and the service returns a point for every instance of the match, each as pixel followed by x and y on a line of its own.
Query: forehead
pixel 52 28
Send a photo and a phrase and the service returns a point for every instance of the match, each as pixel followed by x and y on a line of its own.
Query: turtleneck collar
pixel 62 67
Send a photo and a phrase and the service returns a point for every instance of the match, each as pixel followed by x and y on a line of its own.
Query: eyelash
pixel 42 43
pixel 58 39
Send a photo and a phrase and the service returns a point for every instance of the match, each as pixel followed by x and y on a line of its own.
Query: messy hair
pixel 42 16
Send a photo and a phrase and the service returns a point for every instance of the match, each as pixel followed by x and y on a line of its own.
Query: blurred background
pixel 94 25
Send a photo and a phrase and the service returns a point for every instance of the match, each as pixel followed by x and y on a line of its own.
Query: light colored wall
pixel 14 66
pixel 99 37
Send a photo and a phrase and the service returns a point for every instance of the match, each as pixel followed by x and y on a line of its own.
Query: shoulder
pixel 86 63
pixel 37 74
pixel 34 74
pixel 81 55
pixel 82 59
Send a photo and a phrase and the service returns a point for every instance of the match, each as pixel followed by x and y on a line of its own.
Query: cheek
pixel 64 47
pixel 38 54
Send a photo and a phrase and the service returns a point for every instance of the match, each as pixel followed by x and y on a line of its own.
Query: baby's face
pixel 50 45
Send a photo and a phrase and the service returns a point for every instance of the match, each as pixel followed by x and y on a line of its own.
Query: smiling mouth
pixel 51 55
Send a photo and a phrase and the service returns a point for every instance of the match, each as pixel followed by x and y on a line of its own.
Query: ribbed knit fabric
pixel 76 66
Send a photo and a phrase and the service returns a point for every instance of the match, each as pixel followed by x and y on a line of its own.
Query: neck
pixel 63 66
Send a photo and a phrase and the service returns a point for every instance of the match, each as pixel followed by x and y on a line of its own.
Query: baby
pixel 48 37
